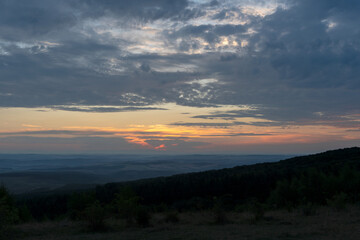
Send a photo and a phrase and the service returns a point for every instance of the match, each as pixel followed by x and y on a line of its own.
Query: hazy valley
pixel 28 173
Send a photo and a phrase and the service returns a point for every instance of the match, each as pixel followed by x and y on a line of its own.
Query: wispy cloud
pixel 104 109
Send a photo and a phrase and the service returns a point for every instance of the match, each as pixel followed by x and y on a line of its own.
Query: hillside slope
pixel 311 179
pixel 256 181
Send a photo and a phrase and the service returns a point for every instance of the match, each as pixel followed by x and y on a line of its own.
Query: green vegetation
pixel 9 214
pixel 94 215
pixel 302 184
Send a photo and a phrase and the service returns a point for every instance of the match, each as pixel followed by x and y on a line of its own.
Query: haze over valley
pixel 26 173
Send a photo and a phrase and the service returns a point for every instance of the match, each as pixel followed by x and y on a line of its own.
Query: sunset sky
pixel 179 76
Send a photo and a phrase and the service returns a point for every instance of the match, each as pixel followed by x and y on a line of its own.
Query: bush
pixel 309 209
pixel 220 216
pixel 94 215
pixel 8 212
pixel 219 212
pixel 143 217
pixel 258 210
pixel 286 194
pixel 8 215
pixel 78 202
pixel 25 214
pixel 126 204
pixel 338 201
pixel 172 217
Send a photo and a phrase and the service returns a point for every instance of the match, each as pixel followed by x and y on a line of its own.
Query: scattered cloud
pixel 103 109
pixel 296 61
pixel 203 124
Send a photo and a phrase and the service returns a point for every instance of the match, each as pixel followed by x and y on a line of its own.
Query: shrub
pixel 78 202
pixel 94 215
pixel 219 212
pixel 309 209
pixel 143 217
pixel 338 201
pixel 25 214
pixel 286 194
pixel 172 217
pixel 258 210
pixel 8 212
pixel 8 215
pixel 126 204
pixel 220 216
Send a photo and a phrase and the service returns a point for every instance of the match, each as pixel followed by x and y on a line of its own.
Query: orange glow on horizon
pixel 160 147
pixel 142 129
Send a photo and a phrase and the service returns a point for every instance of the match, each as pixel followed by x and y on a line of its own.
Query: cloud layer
pixel 294 62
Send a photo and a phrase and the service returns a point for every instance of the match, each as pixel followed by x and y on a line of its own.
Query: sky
pixel 179 76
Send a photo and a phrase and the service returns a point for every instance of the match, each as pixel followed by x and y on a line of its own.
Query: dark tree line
pixel 331 178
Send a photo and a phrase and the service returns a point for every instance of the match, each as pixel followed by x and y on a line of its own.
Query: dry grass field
pixel 326 223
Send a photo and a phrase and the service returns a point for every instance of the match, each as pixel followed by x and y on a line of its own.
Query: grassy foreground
pixel 325 223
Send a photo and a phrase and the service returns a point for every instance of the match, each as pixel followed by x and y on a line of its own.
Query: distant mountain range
pixel 22 173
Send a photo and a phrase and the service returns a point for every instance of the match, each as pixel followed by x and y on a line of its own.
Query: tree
pixel 8 212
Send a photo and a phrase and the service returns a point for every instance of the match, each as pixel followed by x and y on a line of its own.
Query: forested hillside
pixel 316 179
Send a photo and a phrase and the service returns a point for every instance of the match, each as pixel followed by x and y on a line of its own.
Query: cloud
pixel 58 132
pixel 231 124
pixel 207 32
pixel 104 109
pixel 91 141
pixel 202 124
pixel 292 60
pixel 176 145
pixel 85 132
pixel 205 38
pixel 66 145
pixel 240 134
pixel 353 130
pixel 142 10
pixel 262 117
pixel 21 19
